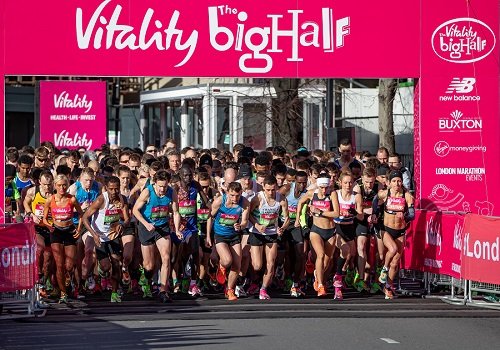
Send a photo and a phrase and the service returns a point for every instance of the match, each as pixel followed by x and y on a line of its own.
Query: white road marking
pixel 389 340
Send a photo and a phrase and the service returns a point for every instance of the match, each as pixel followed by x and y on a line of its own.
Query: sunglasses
pixel 150 150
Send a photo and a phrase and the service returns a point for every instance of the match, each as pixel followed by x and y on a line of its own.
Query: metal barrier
pixel 21 304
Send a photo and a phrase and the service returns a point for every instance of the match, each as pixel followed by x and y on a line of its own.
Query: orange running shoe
pixel 231 296
pixel 321 291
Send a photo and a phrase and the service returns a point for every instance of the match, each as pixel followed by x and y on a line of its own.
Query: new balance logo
pixel 463 86
pixel 459 90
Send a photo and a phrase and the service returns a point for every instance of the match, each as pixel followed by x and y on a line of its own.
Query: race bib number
pixel 159 212
pixel 228 219
pixel 187 208
pixel 268 220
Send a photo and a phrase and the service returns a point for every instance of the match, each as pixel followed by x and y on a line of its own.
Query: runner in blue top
pixel 230 215
pixel 86 190
pixel 152 211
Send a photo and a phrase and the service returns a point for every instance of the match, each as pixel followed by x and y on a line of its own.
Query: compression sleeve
pixel 410 214
pixel 375 206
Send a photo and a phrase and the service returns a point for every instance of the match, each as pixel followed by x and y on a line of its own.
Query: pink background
pixel 94 131
pixel 368 51
pixel 20 276
pixel 485 230
pixel 392 39
pixel 459 192
pixel 417 247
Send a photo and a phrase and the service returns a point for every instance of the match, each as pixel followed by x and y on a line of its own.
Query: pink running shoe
pixel 337 281
pixel 338 294
pixel 263 295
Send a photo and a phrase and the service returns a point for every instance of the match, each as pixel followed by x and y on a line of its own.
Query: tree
pixel 286 113
pixel 386 94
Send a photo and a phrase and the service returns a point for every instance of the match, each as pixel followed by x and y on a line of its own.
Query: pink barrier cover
pixel 18 267
pixel 73 113
pixel 434 243
pixel 481 249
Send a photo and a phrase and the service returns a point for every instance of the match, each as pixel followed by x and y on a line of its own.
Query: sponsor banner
pixel 2 113
pixel 18 267
pixel 240 38
pixel 459 109
pixel 434 243
pixel 73 113
pixel 481 249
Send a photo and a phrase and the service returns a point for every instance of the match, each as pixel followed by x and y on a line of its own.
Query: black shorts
pixel 294 235
pixel 324 233
pixel 346 231
pixel 150 238
pixel 257 240
pixel 395 233
pixel 130 230
pixel 229 240
pixel 45 233
pixel 108 248
pixel 63 235
pixel 362 228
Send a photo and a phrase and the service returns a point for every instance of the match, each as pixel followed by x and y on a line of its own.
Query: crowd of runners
pixel 244 223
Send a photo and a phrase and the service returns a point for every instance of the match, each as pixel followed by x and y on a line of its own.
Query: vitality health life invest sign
pixel 73 113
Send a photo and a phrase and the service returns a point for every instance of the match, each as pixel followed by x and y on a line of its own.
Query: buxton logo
pixel 457 121
pixel 463 40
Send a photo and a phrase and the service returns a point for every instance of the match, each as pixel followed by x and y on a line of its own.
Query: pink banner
pixel 73 113
pixel 18 268
pixel 300 38
pixel 434 243
pixel 481 249
pixel 459 107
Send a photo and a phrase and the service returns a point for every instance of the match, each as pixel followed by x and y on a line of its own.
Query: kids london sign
pixel 73 113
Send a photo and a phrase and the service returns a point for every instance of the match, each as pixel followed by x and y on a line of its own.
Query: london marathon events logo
pixel 463 40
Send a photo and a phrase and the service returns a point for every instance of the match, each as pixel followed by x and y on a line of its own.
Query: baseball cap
pixel 247 152
pixel 303 152
pixel 206 160
pixel 245 171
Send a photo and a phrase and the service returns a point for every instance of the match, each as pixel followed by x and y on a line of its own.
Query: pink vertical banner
pixel 73 113
pixel 2 112
pixel 459 149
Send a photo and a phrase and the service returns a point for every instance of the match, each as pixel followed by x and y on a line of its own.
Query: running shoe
pixel 115 297
pixel 97 289
pixel 362 286
pixel 263 294
pixel 296 292
pixel 338 294
pixel 146 291
pixel 125 276
pixel 64 298
pixel 67 281
pixel 240 292
pixel 321 291
pixel 48 285
pixel 177 287
pixel 185 285
pixel 104 283
pixel 280 272
pixel 142 280
pixel 230 295
pixel 383 276
pixel 389 293
pixel 90 283
pixel 315 283
pixel 253 289
pixel 349 278
pixel 221 275
pixel 194 291
pixel 337 281
pixel 164 297
pixel 43 293
pixel 357 278
pixel 288 284
pixel 375 288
